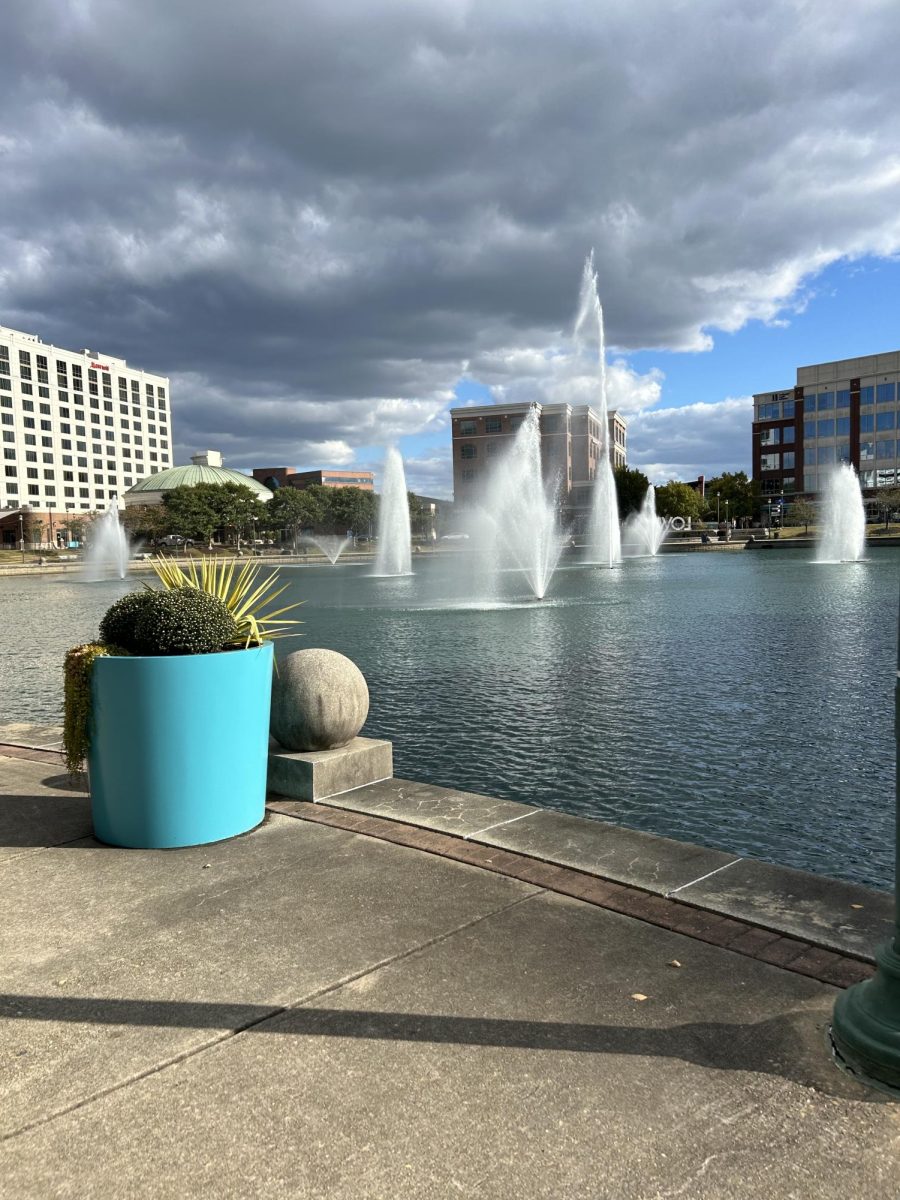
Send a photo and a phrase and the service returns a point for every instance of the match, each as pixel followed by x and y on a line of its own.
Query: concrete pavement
pixel 306 1011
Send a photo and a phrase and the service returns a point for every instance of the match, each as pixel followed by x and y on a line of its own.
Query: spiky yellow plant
pixel 248 599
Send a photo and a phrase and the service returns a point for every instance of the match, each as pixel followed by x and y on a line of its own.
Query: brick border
pixel 752 941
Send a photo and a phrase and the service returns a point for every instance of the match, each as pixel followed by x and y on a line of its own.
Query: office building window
pixel 867 395
pixel 787 460
pixel 770 462
pixel 770 437
pixel 468 451
pixel 809 429
pixel 885 393
pixel 866 451
pixel 825 428
pixel 843 398
pixel 825 400
pixel 885 420
pixel 825 456
pixel 884 448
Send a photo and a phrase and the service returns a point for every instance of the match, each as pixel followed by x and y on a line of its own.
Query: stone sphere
pixel 320 700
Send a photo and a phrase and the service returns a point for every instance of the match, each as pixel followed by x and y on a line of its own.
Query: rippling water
pixel 739 700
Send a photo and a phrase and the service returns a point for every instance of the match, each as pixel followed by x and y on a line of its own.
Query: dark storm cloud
pixel 313 216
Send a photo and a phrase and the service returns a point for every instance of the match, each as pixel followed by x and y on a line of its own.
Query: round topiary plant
pixel 184 621
pixel 119 625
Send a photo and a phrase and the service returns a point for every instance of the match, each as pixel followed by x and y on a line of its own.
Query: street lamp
pixel 717 508
pixel 22 536
pixel 866 1029
pixel 726 514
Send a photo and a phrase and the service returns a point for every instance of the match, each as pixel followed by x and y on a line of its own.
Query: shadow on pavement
pixel 789 1046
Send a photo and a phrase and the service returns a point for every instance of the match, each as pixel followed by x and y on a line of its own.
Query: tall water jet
pixel 519 516
pixel 644 532
pixel 332 545
pixel 394 555
pixel 604 535
pixel 843 530
pixel 108 552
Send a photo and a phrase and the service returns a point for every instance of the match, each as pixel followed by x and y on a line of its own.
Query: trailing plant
pixel 248 598
pixel 119 625
pixel 79 663
pixel 183 621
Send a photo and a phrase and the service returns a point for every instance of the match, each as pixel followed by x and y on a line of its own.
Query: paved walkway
pixel 310 1011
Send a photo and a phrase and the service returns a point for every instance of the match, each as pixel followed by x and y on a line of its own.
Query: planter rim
pixel 168 657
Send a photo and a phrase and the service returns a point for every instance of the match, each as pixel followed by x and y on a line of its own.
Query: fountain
pixel 604 536
pixel 394 555
pixel 332 545
pixel 518 522
pixel 644 532
pixel 843 531
pixel 108 552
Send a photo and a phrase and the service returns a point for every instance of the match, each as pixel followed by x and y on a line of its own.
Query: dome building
pixel 205 468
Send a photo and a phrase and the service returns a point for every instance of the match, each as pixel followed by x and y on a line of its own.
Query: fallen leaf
pixel 638 996
pixel 856 906
pixel 673 963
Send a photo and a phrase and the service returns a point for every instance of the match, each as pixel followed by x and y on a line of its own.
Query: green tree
pixel 419 516
pixel 239 509
pixel 144 522
pixel 737 489
pixel 293 510
pixel 676 499
pixel 888 502
pixel 193 512
pixel 631 488
pixel 348 508
pixel 801 512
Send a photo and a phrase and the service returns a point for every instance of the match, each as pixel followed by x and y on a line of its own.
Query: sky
pixel 330 223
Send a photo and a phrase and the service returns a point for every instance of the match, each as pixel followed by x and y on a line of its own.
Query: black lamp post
pixel 866 1028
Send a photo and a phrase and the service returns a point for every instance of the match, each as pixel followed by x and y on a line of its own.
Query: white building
pixel 79 428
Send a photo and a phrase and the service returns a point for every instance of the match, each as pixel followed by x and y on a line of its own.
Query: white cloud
pixel 696 439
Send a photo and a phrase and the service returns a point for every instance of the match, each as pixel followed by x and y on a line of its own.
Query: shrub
pixel 119 625
pixel 184 621
pixel 77 691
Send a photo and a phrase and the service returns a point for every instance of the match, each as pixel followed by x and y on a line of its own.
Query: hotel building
pixel 79 428
pixel 570 448
pixel 843 411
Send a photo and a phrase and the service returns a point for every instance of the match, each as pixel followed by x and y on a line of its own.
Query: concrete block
pixel 318 774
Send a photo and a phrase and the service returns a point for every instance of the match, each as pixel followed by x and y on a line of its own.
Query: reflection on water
pixel 741 700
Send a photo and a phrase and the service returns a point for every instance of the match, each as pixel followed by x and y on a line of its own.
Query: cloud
pixel 696 439
pixel 316 221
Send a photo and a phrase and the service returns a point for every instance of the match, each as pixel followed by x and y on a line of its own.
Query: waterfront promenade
pixel 379 1000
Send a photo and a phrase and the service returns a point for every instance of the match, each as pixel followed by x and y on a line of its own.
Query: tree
pixel 294 510
pixel 631 488
pixel 348 508
pixel 238 508
pixel 193 512
pixel 676 499
pixel 802 513
pixel 735 488
pixel 888 502
pixel 419 515
pixel 144 522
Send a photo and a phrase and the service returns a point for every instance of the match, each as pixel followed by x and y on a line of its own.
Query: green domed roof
pixel 173 477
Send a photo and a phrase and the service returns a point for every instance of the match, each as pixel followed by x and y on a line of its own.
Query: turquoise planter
pixel 179 747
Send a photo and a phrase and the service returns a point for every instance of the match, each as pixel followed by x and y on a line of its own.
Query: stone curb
pixel 752 941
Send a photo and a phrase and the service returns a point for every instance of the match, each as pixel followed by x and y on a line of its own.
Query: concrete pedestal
pixel 318 774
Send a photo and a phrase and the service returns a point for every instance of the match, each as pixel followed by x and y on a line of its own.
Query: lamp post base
pixel 866 1028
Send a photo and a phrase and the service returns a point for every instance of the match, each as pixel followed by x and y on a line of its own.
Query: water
pixel 843 534
pixel 743 701
pixel 644 532
pixel 604 535
pixel 331 544
pixel 109 551
pixel 517 526
pixel 394 555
